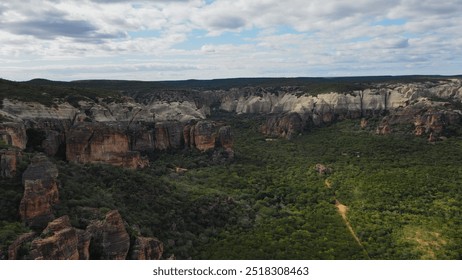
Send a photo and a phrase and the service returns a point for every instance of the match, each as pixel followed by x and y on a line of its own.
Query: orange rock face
pixel 40 192
pixel 8 162
pixel 109 238
pixel 14 134
pixel 58 241
pixel 204 136
pixel 100 143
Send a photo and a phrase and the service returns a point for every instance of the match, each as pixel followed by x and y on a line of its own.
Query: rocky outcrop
pixel 83 246
pixel 435 122
pixel 384 127
pixel 8 162
pixel 146 248
pixel 322 169
pixel 285 126
pixel 15 247
pixel 225 137
pixel 58 241
pixel 14 134
pixel 109 238
pixel 204 135
pixel 40 192
pixel 168 135
pixel 101 143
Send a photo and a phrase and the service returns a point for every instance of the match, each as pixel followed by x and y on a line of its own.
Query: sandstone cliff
pixel 101 143
pixel 14 134
pixel 40 192
pixel 58 241
pixel 162 119
pixel 109 238
pixel 8 162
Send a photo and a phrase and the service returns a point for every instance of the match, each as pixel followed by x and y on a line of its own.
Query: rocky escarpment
pixel 101 143
pixel 432 108
pixel 120 145
pixel 8 162
pixel 13 134
pixel 162 119
pixel 40 192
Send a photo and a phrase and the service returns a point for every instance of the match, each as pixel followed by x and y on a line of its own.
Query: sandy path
pixel 343 209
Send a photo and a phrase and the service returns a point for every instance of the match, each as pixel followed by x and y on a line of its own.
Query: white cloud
pixel 293 37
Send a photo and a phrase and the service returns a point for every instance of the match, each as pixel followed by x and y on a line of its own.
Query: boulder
pixel 322 169
pixel 40 192
pixel 58 241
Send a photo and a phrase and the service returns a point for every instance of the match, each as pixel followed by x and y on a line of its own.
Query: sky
pixel 207 39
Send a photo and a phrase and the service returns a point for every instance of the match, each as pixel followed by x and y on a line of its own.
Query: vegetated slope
pixel 270 203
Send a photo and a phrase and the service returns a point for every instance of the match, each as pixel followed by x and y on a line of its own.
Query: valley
pixel 230 169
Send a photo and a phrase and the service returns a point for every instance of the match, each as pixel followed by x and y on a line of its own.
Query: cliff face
pixel 40 192
pixel 175 119
pixel 8 162
pixel 109 238
pixel 285 125
pixel 14 134
pixel 101 143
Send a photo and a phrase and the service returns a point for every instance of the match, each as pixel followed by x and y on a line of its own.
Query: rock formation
pixel 204 135
pixel 322 169
pixel 40 192
pixel 14 134
pixel 225 137
pixel 8 162
pixel 15 247
pixel 101 143
pixel 147 248
pixel 285 126
pixel 109 238
pixel 58 241
pixel 168 135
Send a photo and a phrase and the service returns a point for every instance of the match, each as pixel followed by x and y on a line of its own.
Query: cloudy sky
pixel 205 39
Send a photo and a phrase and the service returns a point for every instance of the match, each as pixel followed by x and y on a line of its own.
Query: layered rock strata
pixel 40 192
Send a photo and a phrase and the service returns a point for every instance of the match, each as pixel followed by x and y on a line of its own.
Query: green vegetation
pixel 48 93
pixel 403 197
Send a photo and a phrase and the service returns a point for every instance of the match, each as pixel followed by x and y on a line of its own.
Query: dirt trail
pixel 343 209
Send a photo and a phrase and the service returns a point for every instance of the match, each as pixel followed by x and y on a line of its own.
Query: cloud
pixel 52 28
pixel 231 37
pixel 226 22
